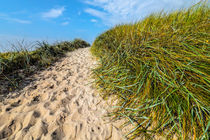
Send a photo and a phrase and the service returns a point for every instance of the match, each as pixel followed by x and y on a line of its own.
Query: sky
pixel 57 20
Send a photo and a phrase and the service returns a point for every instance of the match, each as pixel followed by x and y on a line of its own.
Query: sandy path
pixel 59 104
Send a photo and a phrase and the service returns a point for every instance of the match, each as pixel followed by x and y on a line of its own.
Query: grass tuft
pixel 159 70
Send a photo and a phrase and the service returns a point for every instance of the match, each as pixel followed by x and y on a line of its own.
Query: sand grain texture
pixel 59 104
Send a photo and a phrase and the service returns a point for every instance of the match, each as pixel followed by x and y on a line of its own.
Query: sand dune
pixel 59 104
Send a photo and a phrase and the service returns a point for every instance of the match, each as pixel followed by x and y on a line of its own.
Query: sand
pixel 60 103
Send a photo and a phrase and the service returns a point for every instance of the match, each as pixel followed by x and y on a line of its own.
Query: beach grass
pixel 41 57
pixel 158 68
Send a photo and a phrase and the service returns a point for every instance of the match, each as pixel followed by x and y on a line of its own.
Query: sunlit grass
pixel 159 70
pixel 43 56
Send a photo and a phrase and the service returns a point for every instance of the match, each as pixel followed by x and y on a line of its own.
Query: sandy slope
pixel 59 104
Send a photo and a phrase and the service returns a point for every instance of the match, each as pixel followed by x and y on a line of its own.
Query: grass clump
pixel 159 70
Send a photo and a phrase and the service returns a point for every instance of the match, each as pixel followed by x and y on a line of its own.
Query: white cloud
pixel 11 19
pixel 94 20
pixel 96 13
pixel 65 23
pixel 53 13
pixel 118 11
pixel 19 20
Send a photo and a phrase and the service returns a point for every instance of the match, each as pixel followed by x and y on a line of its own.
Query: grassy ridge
pixel 18 64
pixel 159 70
pixel 44 55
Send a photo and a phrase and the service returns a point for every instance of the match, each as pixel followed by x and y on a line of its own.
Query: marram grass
pixel 44 55
pixel 12 63
pixel 159 70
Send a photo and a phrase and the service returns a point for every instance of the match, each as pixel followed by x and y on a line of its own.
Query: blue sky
pixel 52 20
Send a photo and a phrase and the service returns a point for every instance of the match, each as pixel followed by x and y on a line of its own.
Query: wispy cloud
pixel 118 11
pixel 65 23
pixel 19 20
pixel 53 13
pixel 96 13
pixel 94 20
pixel 11 19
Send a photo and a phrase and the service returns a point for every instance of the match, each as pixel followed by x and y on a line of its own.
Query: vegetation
pixel 42 56
pixel 159 70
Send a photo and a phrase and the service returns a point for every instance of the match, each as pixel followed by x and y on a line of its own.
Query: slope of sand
pixel 59 104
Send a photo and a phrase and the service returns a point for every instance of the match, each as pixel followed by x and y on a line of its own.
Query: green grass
pixel 159 70
pixel 43 56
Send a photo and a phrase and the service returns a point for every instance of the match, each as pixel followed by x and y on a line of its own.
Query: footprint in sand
pixel 35 100
pixel 15 104
pixel 7 131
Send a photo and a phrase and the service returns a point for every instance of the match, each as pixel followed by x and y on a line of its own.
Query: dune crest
pixel 59 104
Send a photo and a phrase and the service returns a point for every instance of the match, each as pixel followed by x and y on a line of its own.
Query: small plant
pixel 159 70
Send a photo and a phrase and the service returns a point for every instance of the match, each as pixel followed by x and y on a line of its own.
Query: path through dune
pixel 59 104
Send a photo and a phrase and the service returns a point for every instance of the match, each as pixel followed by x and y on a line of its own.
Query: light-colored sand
pixel 59 104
